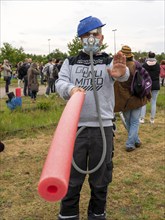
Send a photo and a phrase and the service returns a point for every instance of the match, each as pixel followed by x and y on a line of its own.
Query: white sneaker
pixel 152 121
pixel 141 120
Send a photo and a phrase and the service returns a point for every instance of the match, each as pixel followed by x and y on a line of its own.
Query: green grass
pixel 45 112
pixel 137 189
pixel 161 98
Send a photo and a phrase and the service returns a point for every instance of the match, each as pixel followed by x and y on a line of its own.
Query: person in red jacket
pixel 162 72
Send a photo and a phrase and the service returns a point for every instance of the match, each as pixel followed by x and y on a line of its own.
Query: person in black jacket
pixel 153 68
pixel 23 74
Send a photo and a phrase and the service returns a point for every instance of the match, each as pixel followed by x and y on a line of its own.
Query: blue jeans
pixel 153 105
pixel 132 123
pixel 33 95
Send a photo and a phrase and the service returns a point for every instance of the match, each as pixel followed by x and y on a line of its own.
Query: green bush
pixel 44 105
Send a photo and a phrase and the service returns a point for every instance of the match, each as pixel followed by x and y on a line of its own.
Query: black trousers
pixel 89 147
pixel 7 83
pixel 26 90
pixel 51 86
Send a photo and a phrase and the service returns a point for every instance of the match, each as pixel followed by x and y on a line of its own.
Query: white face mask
pixel 91 44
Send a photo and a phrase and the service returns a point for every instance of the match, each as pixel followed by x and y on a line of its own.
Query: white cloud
pixel 30 24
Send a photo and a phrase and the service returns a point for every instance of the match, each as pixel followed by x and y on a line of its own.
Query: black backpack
pixel 22 71
pixel 55 72
pixel 141 83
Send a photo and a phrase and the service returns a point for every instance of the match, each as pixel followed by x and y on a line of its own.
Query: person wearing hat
pixel 76 76
pixel 129 104
pixel 153 68
pixel 126 50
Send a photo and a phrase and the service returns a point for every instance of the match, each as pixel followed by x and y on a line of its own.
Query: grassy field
pixel 138 187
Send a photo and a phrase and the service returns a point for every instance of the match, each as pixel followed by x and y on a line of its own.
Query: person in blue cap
pixel 92 72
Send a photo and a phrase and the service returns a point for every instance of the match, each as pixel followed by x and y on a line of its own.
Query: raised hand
pixel 119 65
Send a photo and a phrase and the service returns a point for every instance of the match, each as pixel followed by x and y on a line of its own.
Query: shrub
pixel 44 105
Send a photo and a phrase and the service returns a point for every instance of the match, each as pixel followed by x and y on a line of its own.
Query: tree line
pixel 14 55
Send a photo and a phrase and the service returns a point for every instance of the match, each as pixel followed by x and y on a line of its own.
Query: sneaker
pixel 141 120
pixel 74 217
pixel 92 216
pixel 129 149
pixel 138 144
pixel 152 121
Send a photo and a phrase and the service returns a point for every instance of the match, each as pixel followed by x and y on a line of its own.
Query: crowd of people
pixel 32 74
pixel 44 77
pixel 112 82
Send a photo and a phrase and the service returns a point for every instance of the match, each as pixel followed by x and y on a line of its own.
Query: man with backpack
pixel 130 103
pixel 50 71
pixel 45 69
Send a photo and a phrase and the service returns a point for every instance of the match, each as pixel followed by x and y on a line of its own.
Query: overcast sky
pixel 139 24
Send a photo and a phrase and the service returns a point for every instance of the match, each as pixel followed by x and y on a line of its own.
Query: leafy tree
pixel 103 46
pixel 140 55
pixel 75 46
pixel 160 57
pixel 143 55
pixel 57 54
pixel 15 55
pixel 12 54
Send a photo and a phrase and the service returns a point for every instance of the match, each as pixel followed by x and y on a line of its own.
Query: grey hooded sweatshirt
pixel 76 71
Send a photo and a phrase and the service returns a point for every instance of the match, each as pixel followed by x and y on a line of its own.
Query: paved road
pixel 42 90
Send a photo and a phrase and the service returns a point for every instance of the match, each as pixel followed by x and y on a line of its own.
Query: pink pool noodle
pixel 53 183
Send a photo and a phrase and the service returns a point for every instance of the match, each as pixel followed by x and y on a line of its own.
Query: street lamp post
pixel 49 45
pixel 114 40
